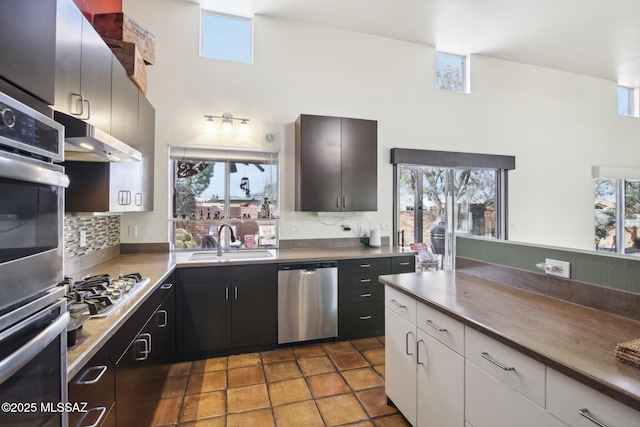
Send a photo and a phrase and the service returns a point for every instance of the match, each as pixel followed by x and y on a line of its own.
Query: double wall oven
pixel 33 314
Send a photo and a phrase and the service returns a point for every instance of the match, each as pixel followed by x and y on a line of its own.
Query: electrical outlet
pixel 372 226
pixel 360 228
pixel 294 228
pixel 557 268
pixel 83 238
pixel 384 226
pixel 346 227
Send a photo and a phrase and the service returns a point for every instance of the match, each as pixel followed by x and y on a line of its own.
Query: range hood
pixel 85 142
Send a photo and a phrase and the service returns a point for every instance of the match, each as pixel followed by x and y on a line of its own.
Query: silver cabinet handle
pixel 365 265
pixel 102 409
pixel 485 355
pixel 418 352
pixel 344 202
pixel 365 280
pixel 138 199
pixel 226 293
pixel 404 263
pixel 585 413
pixel 434 326
pixel 365 295
pixel 235 292
pixel 166 286
pixel 88 109
pixel 145 351
pixel 102 369
pixel 397 304
pixel 81 102
pixel 365 317
pixel 406 344
pixel 165 318
pixel 337 202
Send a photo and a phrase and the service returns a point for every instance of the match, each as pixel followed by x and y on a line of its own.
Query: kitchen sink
pixel 238 255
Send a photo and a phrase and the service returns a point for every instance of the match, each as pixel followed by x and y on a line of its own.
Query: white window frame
pixel 466 81
pixel 204 13
pixel 632 101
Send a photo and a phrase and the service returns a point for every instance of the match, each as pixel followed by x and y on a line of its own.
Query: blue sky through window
pixel 226 37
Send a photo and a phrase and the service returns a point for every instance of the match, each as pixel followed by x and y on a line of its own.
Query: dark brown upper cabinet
pixel 336 164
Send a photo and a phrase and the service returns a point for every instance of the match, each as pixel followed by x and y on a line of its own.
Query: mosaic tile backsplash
pixel 102 232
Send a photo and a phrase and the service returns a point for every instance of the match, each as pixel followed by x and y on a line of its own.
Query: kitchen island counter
pixel 158 266
pixel 574 340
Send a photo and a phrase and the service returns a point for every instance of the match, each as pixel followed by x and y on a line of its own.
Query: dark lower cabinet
pixel 361 296
pixel 94 384
pixel 225 308
pixel 141 352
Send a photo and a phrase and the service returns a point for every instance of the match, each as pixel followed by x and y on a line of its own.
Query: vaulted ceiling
pixel 596 38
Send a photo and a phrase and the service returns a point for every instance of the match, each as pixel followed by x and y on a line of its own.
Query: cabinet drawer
pixel 511 367
pixel 403 264
pixel 443 328
pixel 358 280
pixel 360 318
pixel 368 265
pixel 403 305
pixel 94 384
pixel 363 294
pixel 574 402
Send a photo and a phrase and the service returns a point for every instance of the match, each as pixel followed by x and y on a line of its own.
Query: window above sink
pixel 216 187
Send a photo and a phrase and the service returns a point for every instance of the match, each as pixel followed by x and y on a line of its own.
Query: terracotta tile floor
pixel 331 384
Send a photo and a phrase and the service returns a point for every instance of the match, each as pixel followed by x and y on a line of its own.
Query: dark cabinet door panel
pixel 361 319
pixel 254 313
pixel 361 294
pixel 403 264
pixel 364 266
pixel 205 317
pixel 359 165
pixel 95 82
pixel 320 169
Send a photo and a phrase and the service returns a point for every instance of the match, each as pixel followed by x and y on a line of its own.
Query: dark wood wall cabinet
pixel 336 164
pixel 361 296
pixel 226 309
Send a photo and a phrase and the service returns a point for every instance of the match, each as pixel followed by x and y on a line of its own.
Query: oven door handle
pixel 13 363
pixel 15 168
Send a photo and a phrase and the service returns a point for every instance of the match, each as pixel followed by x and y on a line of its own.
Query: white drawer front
pixel 443 328
pixel 574 402
pixel 513 368
pixel 401 304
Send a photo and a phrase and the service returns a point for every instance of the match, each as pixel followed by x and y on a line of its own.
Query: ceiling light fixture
pixel 227 124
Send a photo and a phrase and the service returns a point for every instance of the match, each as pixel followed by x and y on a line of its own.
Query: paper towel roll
pixel 374 238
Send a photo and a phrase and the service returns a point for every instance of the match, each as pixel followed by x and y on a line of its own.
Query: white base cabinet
pixel 400 364
pixel 440 396
pixel 491 403
pixel 424 377
pixel 581 406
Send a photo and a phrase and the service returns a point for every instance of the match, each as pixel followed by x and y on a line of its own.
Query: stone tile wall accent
pixel 102 232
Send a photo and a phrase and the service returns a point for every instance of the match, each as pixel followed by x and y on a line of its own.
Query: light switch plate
pixel 557 268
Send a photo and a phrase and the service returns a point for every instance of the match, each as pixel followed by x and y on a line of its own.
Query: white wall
pixel 557 124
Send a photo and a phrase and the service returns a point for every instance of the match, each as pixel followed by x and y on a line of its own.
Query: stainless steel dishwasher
pixel 307 301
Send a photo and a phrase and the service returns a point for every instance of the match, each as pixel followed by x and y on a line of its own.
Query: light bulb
pixel 209 125
pixel 243 129
pixel 227 126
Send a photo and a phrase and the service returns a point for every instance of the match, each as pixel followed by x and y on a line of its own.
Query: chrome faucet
pixel 219 241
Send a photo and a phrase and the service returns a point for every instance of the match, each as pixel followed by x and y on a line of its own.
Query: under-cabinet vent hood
pixel 85 142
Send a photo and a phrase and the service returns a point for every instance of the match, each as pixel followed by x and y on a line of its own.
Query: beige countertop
pixel 96 332
pixel 575 340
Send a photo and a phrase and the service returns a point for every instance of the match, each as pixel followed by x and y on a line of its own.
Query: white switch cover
pixel 83 238
pixel 294 228
pixel 384 226
pixel 557 268
pixel 133 230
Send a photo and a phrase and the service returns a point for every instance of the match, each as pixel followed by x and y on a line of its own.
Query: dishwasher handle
pixel 307 266
pixel 308 271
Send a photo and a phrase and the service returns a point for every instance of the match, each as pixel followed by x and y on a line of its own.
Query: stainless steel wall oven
pixel 33 313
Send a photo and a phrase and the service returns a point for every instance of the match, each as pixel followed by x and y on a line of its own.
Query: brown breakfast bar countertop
pixel 572 339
